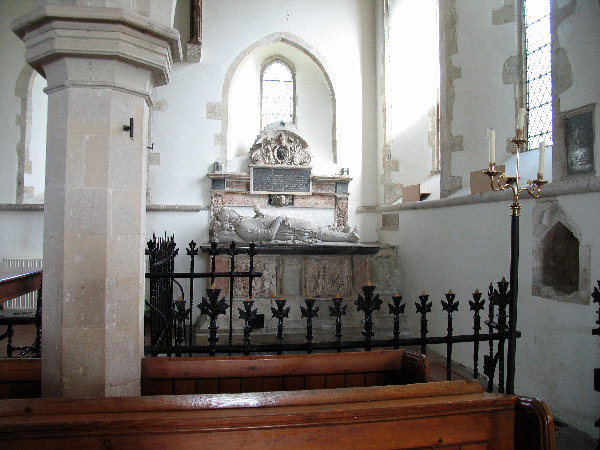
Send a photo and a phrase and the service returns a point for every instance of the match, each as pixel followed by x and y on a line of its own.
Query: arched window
pixel 277 93
pixel 539 74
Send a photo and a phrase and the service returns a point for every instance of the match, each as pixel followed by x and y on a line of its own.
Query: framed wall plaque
pixel 579 140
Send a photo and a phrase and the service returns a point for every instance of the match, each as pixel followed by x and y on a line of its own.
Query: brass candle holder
pixel 500 181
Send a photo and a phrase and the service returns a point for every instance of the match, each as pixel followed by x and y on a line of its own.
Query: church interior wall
pixel 186 124
pixel 414 88
pixel 481 100
pixel 438 247
pixel 10 113
pixel 576 66
pixel 435 255
pixel 556 354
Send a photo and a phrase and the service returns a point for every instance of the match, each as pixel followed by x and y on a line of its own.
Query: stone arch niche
pixel 31 148
pixel 561 263
pixel 240 126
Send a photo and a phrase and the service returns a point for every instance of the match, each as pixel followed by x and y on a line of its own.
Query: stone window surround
pixel 546 215
pixel 23 91
pixel 281 59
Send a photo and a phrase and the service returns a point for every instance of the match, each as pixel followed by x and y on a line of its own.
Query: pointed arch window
pixel 277 92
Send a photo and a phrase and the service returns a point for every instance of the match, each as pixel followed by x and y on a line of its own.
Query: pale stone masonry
pixel 101 69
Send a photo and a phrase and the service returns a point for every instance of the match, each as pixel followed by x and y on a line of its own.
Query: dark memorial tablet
pixel 280 180
pixel 579 137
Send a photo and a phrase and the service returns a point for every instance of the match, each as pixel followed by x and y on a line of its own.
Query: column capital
pixel 87 35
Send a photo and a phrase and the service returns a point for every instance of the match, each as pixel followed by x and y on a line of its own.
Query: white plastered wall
pixel 466 247
pixel 414 79
pixel 482 100
pixel 188 112
pixel 557 353
pixel 13 62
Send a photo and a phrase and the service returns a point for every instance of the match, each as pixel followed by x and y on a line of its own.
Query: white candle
pixel 520 123
pixel 492 145
pixel 542 149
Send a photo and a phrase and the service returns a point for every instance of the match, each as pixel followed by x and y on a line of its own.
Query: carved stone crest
pixel 279 146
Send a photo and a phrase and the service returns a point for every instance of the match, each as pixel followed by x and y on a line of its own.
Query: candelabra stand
pixel 499 182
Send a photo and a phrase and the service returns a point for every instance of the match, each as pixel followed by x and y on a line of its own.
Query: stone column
pixel 101 65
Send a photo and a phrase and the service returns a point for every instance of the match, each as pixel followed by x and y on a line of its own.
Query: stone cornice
pixel 55 31
pixel 45 13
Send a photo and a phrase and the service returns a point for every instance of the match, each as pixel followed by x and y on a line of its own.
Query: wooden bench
pixel 450 415
pixel 20 378
pixel 235 374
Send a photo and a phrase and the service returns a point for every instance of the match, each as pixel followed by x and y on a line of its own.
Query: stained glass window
pixel 539 74
pixel 277 97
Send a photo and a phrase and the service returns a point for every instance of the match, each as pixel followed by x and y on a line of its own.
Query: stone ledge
pixel 554 189
pixel 177 208
pixel 21 206
pixel 300 249
pixel 151 207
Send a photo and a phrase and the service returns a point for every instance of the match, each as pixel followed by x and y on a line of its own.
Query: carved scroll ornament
pixel 280 147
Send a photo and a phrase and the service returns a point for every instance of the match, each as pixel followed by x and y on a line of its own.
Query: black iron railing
pixel 214 305
pixel 596 332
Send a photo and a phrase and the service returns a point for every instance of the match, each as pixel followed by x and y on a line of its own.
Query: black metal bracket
pixel 129 127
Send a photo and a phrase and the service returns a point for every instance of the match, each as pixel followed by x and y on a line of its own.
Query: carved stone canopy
pixel 279 146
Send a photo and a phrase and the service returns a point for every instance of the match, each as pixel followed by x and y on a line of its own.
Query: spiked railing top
pixel 192 250
pixel 248 314
pixel 213 307
pixel 368 303
pixel 476 304
pixel 423 307
pixel 310 311
pixel 501 296
pixel 280 312
pixel 397 308
pixel 337 310
pixel 450 305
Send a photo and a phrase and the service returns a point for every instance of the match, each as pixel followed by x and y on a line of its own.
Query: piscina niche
pixel 561 262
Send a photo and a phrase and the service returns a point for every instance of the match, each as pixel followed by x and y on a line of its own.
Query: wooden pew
pixel 234 374
pixel 20 377
pixel 450 415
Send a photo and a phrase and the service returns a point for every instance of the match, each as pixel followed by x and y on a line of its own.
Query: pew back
pixel 235 374
pixel 433 415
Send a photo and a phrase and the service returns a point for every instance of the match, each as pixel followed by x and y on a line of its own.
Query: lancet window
pixel 277 92
pixel 539 74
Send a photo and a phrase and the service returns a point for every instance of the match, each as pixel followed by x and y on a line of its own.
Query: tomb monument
pixel 279 204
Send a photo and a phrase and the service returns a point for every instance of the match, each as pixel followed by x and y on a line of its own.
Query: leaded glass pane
pixel 539 78
pixel 277 94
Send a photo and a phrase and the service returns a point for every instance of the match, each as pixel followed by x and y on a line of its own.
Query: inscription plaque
pixel 579 137
pixel 280 180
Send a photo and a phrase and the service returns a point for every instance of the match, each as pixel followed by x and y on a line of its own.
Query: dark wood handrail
pixel 13 287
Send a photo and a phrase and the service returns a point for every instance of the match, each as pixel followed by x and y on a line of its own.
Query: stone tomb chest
pixel 295 272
